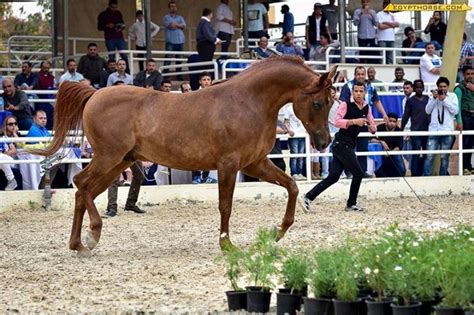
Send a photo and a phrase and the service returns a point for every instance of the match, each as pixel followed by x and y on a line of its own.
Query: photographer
pixel 443 107
pixel 288 46
pixel 111 23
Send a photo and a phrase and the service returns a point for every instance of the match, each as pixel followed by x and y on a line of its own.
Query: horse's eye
pixel 318 105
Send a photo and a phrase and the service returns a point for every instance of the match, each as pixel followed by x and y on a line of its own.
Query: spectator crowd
pixel 422 110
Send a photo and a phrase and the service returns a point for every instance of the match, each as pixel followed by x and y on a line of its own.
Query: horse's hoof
pixel 225 243
pixel 279 233
pixel 84 253
pixel 91 241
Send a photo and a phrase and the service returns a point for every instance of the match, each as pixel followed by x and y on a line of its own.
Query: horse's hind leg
pixel 267 171
pixel 95 178
pixel 226 193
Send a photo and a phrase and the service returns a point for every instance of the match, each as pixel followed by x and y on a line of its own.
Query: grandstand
pixel 75 23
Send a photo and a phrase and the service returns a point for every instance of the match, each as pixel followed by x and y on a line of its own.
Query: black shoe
pixel 135 209
pixel 109 214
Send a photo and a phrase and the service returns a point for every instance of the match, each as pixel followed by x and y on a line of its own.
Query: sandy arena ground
pixel 163 261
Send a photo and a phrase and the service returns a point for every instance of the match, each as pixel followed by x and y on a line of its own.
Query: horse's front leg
pixel 267 171
pixel 226 193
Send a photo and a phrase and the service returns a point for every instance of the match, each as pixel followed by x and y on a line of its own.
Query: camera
pixel 440 92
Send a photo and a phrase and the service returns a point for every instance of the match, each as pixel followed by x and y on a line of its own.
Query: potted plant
pixel 346 300
pixel 321 281
pixel 374 260
pixel 455 277
pixel 233 259
pixel 402 270
pixel 294 272
pixel 259 264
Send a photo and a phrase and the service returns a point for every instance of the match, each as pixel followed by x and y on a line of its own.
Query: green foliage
pixel 260 259
pixel 346 274
pixel 455 262
pixel 295 270
pixel 233 258
pixel 321 278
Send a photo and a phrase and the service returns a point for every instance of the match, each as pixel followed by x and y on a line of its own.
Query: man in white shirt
pixel 224 24
pixel 386 31
pixel 430 65
pixel 258 19
pixel 120 74
pixel 297 145
pixel 71 74
pixel 443 107
pixel 136 32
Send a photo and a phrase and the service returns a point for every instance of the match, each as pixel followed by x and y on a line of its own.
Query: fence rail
pixel 308 155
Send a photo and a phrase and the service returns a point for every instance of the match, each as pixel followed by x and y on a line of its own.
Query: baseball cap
pixel 318 4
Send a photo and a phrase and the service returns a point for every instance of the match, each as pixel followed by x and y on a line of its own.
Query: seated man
pixel 392 166
pixel 16 102
pixel 149 78
pixel 71 74
pixel 289 47
pixel 26 80
pixel 38 128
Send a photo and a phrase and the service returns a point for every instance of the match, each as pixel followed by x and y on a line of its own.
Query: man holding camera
pixel 443 107
pixel 111 23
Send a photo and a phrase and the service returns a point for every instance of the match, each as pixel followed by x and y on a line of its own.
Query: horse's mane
pixel 265 63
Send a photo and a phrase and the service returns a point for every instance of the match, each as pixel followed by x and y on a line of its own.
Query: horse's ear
pixel 327 76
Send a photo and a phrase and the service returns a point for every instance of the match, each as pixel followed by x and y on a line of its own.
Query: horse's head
pixel 312 107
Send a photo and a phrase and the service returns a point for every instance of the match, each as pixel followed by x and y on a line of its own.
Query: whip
pixel 403 175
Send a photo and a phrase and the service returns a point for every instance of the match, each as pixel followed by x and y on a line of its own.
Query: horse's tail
pixel 70 103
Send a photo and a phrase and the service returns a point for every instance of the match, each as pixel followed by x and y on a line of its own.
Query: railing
pixel 307 153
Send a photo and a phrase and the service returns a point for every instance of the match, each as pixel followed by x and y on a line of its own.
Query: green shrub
pixel 295 270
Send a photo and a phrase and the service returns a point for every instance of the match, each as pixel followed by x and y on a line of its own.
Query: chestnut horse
pixel 228 127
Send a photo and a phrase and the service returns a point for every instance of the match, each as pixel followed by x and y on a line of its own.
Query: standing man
pixel 16 102
pixel 437 30
pixel 466 57
pixel 443 107
pixel 120 75
pixel 367 22
pixel 174 36
pixel 430 65
pixel 206 37
pixel 288 24
pixel 131 204
pixel 149 78
pixel 316 24
pixel 224 25
pixel 111 23
pixel 371 98
pixel 386 31
pixel 350 118
pixel 415 113
pixel 331 12
pixel 465 118
pixel 91 65
pixel 136 32
pixel 257 19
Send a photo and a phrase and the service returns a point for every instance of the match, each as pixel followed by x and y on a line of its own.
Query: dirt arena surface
pixel 163 261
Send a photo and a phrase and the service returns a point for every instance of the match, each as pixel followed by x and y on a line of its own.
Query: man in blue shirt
pixel 38 128
pixel 288 20
pixel 174 35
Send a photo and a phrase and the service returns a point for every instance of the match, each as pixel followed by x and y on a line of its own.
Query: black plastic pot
pixel 288 303
pixel 379 308
pixel 318 306
pixel 347 307
pixel 258 301
pixel 412 309
pixel 237 300
pixel 440 310
pixel 427 307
